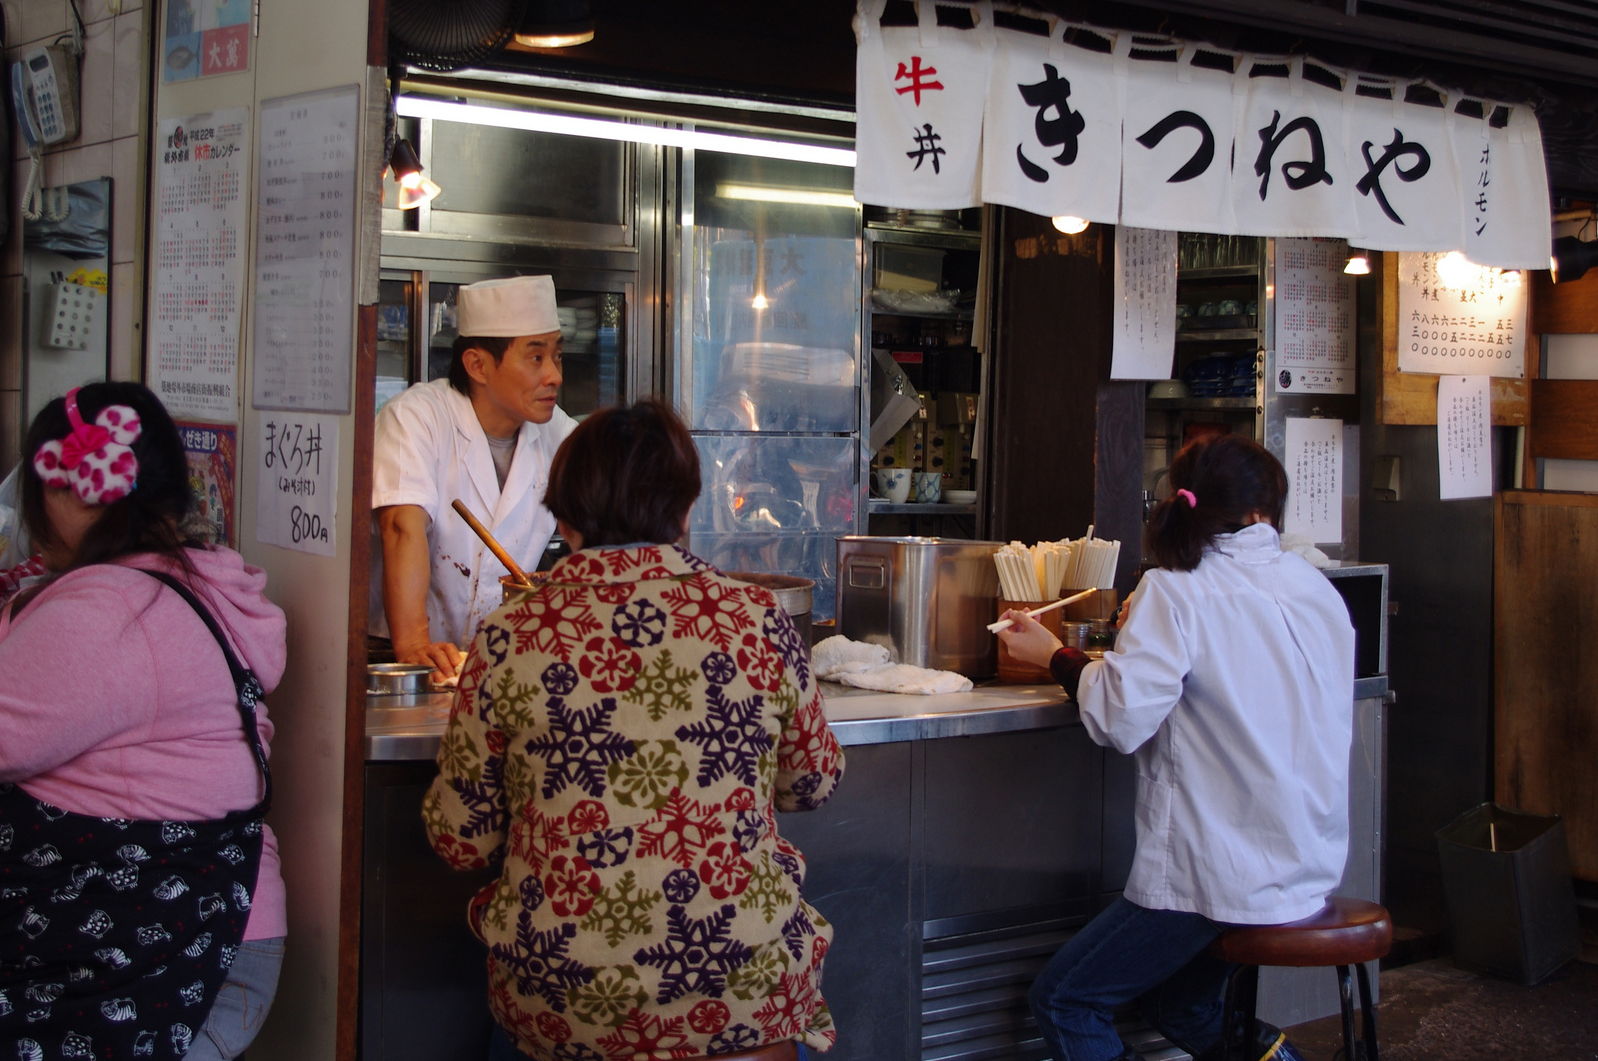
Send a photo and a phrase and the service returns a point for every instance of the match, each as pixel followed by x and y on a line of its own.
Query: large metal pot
pixel 793 593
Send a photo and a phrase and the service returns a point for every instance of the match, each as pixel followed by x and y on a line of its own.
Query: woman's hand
pixel 1028 640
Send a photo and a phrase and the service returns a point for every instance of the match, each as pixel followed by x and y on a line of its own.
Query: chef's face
pixel 526 381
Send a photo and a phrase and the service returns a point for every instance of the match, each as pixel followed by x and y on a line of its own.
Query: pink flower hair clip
pixel 96 460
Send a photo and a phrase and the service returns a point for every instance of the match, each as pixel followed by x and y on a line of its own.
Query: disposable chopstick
pixel 488 539
pixel 1005 624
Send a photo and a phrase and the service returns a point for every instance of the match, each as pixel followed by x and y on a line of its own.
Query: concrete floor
pixel 1433 1011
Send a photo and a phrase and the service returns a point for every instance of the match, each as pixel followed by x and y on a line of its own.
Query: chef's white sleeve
pixel 1124 697
pixel 405 455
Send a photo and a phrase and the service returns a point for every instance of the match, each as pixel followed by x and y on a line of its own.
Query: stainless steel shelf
pixel 1223 272
pixel 1244 404
pixel 879 310
pixel 1190 335
pixel 876 506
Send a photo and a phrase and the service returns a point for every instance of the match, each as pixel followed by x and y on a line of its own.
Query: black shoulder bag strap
pixel 244 681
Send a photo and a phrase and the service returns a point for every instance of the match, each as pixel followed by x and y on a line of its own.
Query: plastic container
pixel 1506 877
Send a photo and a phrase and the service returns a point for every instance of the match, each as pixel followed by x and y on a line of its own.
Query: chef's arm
pixel 407 574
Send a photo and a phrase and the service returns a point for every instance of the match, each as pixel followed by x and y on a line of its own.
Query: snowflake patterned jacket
pixel 622 737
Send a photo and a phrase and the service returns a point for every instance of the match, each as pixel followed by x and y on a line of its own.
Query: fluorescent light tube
pixel 607 129
pixel 801 196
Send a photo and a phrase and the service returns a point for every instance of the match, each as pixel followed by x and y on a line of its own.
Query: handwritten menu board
pixel 1476 330
pixel 199 267
pixel 1145 303
pixel 1314 318
pixel 1464 437
pixel 305 252
pixel 297 483
pixel 1315 478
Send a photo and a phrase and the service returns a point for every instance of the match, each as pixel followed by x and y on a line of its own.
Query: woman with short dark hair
pixel 622 737
pixel 1232 686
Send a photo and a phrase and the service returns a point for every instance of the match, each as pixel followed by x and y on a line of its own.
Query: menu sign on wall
pixel 199 267
pixel 297 483
pixel 1464 437
pixel 1145 304
pixel 1474 328
pixel 1314 317
pixel 1314 479
pixel 305 252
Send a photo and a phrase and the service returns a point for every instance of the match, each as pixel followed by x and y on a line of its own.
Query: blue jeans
pixel 1157 958
pixel 242 1004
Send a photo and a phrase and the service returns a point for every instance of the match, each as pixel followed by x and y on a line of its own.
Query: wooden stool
pixel 1348 932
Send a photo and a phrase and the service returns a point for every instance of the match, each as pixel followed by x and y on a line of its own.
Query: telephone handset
pixel 44 92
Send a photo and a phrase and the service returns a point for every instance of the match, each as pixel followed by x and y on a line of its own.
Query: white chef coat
pixel 1233 687
pixel 429 450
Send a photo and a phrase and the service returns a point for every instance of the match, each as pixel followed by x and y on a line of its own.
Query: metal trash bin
pixel 1506 877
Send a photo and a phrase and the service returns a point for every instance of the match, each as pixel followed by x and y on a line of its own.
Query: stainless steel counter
pixel 410 728
pixel 399 729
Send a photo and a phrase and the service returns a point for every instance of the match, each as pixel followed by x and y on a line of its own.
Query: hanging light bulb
pixel 1070 225
pixel 1359 263
pixel 414 188
pixel 1571 259
pixel 556 24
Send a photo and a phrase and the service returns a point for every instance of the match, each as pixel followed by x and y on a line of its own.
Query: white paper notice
pixel 305 252
pixel 1476 330
pixel 1464 437
pixel 1315 479
pixel 199 264
pixel 1145 303
pixel 1314 317
pixel 297 504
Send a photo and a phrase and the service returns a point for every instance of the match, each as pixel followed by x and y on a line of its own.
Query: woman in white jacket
pixel 1231 684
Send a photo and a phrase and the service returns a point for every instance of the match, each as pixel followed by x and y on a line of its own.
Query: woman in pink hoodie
pixel 141 901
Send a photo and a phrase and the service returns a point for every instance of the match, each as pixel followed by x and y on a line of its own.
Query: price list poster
pixel 1145 304
pixel 199 266
pixel 1478 329
pixel 305 252
pixel 1314 318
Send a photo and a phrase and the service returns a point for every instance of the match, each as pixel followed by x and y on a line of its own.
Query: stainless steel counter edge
pixel 400 732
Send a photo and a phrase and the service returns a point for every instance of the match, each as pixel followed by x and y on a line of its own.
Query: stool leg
pixel 1367 1013
pixel 1237 1018
pixel 1345 991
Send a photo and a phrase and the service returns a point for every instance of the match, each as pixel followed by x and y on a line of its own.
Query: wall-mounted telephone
pixel 44 92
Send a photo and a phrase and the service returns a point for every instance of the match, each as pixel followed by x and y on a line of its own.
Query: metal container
pixel 397 679
pixel 927 600
pixel 796 595
pixel 1075 635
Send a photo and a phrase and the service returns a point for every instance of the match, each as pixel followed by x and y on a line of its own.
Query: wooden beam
pixel 1564 419
pixel 1411 397
pixel 1564 309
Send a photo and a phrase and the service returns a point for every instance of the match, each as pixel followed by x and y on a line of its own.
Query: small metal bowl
pixel 396 679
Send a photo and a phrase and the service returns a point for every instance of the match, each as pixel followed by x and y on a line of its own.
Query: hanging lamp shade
pixel 556 24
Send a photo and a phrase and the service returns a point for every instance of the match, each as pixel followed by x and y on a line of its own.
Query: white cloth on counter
pixel 864 666
pixel 1302 545
pixel 1232 685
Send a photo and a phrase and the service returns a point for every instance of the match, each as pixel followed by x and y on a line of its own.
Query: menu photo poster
pixel 297 496
pixel 212 451
pixel 1315 478
pixel 1145 303
pixel 1464 437
pixel 1478 329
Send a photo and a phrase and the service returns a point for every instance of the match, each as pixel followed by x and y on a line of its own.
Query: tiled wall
pixel 114 93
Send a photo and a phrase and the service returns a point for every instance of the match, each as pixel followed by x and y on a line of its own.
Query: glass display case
pixel 771 376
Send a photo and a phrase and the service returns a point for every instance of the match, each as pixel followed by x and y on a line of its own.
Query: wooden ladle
pixel 488 539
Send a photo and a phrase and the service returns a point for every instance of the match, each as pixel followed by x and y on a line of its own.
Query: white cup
pixel 894 484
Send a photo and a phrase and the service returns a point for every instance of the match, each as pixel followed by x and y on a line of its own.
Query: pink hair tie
pixel 1187 495
pixel 96 460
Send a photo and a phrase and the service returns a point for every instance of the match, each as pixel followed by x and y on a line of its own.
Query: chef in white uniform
pixel 485 435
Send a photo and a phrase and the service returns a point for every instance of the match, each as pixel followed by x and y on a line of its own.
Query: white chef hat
pixel 515 305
